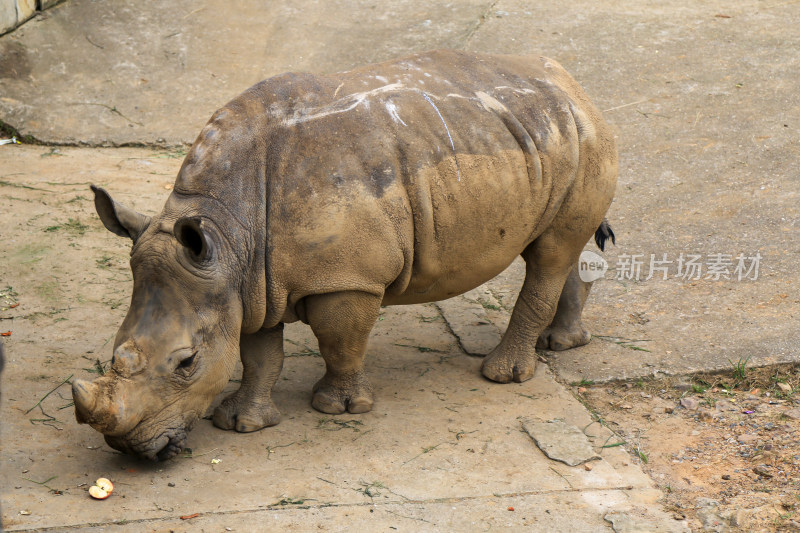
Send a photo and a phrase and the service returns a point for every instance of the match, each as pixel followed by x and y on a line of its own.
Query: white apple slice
pixel 97 493
pixel 105 484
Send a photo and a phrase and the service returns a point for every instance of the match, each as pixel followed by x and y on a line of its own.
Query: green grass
pixel 8 298
pixel 739 370
pixel 371 489
pixel 422 349
pixel 104 262
pixel 72 226
pixel 488 306
pixel 177 153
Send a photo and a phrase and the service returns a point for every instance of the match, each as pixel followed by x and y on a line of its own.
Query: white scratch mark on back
pixel 490 103
pixel 392 109
pixel 523 90
pixel 453 146
pixel 348 103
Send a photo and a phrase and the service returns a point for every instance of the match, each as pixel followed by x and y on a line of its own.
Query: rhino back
pixel 422 177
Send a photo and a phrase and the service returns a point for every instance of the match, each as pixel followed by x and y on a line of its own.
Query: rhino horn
pixel 104 411
pixel 84 394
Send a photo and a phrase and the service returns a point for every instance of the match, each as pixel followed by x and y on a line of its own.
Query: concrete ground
pixel 703 96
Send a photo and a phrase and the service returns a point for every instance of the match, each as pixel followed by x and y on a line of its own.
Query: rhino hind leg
pixel 567 330
pixel 342 322
pixel 547 264
pixel 251 407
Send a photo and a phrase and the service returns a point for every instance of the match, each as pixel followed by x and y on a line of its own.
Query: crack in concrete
pixel 507 307
pixel 483 18
pixel 275 507
pixel 9 130
pixel 453 332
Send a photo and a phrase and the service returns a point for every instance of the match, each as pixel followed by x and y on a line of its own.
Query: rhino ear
pixel 117 218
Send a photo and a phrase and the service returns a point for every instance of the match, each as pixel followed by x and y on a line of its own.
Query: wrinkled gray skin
pixel 321 198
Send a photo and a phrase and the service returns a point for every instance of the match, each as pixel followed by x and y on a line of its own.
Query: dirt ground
pixel 724 448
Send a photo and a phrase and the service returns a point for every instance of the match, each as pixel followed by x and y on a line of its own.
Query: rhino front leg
pixel 342 322
pixel 547 265
pixel 251 408
pixel 567 330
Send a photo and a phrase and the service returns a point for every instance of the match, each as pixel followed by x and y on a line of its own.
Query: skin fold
pixel 322 198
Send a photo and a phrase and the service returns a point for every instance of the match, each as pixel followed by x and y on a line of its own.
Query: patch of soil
pixel 724 448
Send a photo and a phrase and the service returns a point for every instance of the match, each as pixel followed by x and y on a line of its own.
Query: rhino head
pixel 177 347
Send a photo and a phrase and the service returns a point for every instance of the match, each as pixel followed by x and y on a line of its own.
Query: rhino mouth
pixel 164 446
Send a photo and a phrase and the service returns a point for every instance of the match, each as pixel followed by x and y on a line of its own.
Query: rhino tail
pixel 603 233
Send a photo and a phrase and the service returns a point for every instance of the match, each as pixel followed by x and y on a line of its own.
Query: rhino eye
pixel 187 363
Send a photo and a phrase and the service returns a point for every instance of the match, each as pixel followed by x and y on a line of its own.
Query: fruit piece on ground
pixel 97 493
pixel 105 484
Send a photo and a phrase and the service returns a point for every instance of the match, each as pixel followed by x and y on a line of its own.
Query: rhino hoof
pixel 245 419
pixel 336 406
pixel 558 339
pixel 503 368
pixel 336 397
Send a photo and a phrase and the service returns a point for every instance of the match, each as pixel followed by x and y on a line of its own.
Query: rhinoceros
pixel 323 198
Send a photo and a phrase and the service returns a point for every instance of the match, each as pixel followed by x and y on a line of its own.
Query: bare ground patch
pixel 724 448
